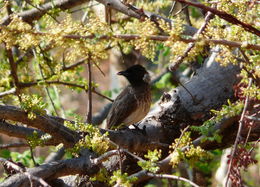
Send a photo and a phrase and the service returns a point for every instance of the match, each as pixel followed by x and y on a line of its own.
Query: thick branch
pixel 224 125
pixel 23 132
pixel 36 13
pixel 139 13
pixel 53 170
pixel 44 123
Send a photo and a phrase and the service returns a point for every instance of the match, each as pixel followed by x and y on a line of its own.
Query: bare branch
pixel 228 17
pixel 23 132
pixel 104 157
pixel 34 14
pixel 53 170
pixel 238 137
pixel 161 38
pixel 89 115
pixel 8 92
pixel 13 68
pixel 165 176
pixel 12 145
pixel 29 84
pixel 176 64
pixel 252 118
pixel 23 171
pixel 44 123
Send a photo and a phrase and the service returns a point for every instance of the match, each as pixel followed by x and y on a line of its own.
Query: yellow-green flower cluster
pixel 79 40
pixel 32 104
pixel 151 163
pixel 122 179
pixel 94 140
pixel 229 110
pixel 191 153
pixel 194 154
pixel 144 29
pixel 18 33
pixel 35 140
pixel 241 9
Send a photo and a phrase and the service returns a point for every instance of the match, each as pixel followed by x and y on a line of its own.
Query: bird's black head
pixel 136 75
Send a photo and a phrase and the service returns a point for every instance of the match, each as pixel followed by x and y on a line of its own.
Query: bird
pixel 134 102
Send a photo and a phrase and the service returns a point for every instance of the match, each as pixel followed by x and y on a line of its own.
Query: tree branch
pixel 238 134
pixel 176 64
pixel 12 165
pixel 165 176
pixel 24 133
pixel 44 123
pixel 12 145
pixel 89 115
pixel 34 14
pixel 228 17
pixel 53 170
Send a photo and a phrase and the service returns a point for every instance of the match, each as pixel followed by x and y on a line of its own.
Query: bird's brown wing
pixel 122 107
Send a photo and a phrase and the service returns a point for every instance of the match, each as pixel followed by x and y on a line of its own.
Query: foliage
pixel 122 179
pixel 92 139
pixel 191 153
pixel 24 158
pixel 38 58
pixel 34 140
pixel 227 111
pixel 151 163
pixel 32 105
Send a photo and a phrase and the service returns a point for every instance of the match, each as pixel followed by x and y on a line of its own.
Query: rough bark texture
pixel 210 89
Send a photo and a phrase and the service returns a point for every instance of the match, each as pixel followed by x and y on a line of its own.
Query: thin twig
pixel 41 10
pixel 254 146
pixel 32 156
pixel 108 154
pixel 13 68
pixel 76 64
pixel 185 6
pixel 104 157
pixel 176 64
pixel 151 37
pixel 248 135
pixel 89 115
pixel 23 170
pixel 128 152
pixel 14 75
pixel 228 17
pixel 246 59
pixel 238 134
pixel 101 95
pixel 182 133
pixel 47 91
pixel 252 118
pixel 166 176
pixel 187 14
pixel 12 145
pixel 99 69
pixel 8 92
pixel 29 84
pixel 172 7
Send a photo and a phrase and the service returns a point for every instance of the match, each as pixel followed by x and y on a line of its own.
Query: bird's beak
pixel 122 73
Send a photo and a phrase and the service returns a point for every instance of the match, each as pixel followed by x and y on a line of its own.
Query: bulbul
pixel 134 102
